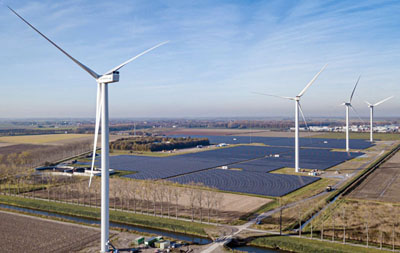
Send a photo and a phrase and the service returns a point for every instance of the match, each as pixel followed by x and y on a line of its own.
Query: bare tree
pixel 218 203
pixel 176 193
pixel 147 194
pixel 154 194
pixel 192 192
pixel 133 192
pixel 367 220
pixel 300 216
pixel 344 219
pixel 200 200
pixel 209 199
pixel 161 188
pixel 169 195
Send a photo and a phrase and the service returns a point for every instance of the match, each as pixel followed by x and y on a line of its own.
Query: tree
pixel 300 216
pixel 209 199
pixel 161 188
pixel 218 202
pixel 200 200
pixel 154 194
pixel 176 193
pixel 344 219
pixel 146 194
pixel 133 192
pixel 169 196
pixel 191 191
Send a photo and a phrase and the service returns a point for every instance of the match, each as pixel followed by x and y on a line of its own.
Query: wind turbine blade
pixel 382 101
pixel 135 57
pixel 357 113
pixel 351 97
pixel 91 72
pixel 302 115
pixel 99 108
pixel 312 81
pixel 270 95
pixel 368 103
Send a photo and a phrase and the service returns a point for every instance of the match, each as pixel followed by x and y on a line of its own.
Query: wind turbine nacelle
pixel 110 78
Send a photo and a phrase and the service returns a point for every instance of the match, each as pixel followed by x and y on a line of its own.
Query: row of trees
pixel 161 198
pixel 371 223
pixel 157 143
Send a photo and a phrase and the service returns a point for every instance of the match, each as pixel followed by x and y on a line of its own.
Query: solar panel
pixel 251 183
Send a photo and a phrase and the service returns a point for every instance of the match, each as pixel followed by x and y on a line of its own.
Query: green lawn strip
pixel 306 245
pixel 115 216
pixel 377 136
pixel 121 173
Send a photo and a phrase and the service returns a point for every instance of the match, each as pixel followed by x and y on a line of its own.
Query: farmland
pixel 42 139
pixel 383 184
pixel 40 235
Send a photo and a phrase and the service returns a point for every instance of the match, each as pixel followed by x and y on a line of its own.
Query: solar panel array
pixel 282 141
pixel 320 159
pixel 254 162
pixel 252 183
pixel 165 167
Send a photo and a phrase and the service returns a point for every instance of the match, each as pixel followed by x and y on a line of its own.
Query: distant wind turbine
pixel 371 116
pixel 348 106
pixel 296 114
pixel 110 76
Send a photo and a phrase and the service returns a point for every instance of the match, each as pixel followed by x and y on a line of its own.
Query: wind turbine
pixel 348 106
pixel 297 105
pixel 110 76
pixel 371 116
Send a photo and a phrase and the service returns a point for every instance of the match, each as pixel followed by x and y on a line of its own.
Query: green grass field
pixel 41 139
pixel 115 216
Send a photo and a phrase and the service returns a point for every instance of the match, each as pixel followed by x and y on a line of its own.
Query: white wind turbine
pixel 348 106
pixel 297 105
pixel 110 76
pixel 371 116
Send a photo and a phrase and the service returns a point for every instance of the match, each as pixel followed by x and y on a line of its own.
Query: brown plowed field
pixel 383 184
pixel 22 233
pixel 17 148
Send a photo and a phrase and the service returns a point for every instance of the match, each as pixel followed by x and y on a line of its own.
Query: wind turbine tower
pixel 348 106
pixel 371 116
pixel 297 108
pixel 110 76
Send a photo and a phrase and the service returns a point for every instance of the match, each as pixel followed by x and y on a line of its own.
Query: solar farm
pixel 241 168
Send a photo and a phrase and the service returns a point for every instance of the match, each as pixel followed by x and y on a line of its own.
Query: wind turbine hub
pixel 109 78
pixel 297 98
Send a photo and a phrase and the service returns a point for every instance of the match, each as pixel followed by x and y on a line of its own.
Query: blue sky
pixel 219 53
